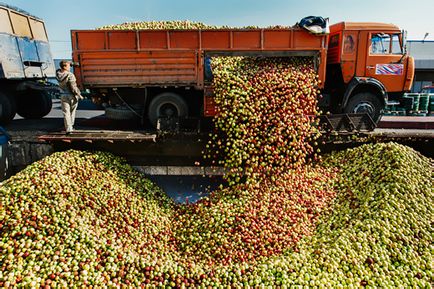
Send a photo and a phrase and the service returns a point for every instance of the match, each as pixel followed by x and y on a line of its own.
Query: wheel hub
pixel 364 107
pixel 168 110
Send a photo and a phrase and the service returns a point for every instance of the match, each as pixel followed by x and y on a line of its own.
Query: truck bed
pixel 113 58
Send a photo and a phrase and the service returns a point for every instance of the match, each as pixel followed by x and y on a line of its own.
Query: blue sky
pixel 417 16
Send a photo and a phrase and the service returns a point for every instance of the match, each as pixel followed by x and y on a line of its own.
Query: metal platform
pixel 407 122
pixel 162 153
pixel 388 133
pixel 100 135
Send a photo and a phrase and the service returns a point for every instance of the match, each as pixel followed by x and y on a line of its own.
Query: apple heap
pixel 175 25
pixel 265 120
pixel 377 234
pixel 360 217
pixel 249 222
pixel 81 218
pixel 154 25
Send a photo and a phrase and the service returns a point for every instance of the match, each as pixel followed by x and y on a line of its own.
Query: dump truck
pixel 25 65
pixel 161 73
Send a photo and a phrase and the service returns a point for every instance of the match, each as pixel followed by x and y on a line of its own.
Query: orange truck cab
pixel 367 67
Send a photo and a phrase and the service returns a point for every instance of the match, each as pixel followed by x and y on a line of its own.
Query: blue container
pixel 4 141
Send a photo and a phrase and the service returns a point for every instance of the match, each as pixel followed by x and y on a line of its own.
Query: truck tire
pixel 167 104
pixel 365 102
pixel 7 109
pixel 34 104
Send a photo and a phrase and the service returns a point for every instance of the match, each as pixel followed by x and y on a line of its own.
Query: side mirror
pixel 404 41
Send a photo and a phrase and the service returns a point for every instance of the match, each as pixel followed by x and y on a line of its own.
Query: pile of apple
pixel 361 217
pixel 356 218
pixel 81 218
pixel 174 25
pixel 155 25
pixel 250 222
pixel 379 231
pixel 266 115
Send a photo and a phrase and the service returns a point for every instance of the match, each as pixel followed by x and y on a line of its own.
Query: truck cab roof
pixel 362 26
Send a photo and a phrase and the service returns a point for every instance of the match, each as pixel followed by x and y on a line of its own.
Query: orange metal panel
pixel 138 80
pixel 153 39
pixel 348 51
pixel 90 40
pixel 334 48
pixel 362 49
pixel 304 40
pixel 410 74
pixel 209 102
pixel 121 40
pixel 277 39
pixel 176 62
pixel 250 40
pixel 113 68
pixel 215 40
pixel 185 73
pixel 184 39
pixel 360 26
pixel 322 67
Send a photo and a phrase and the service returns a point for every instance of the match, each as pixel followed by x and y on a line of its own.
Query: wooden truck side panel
pixel 113 58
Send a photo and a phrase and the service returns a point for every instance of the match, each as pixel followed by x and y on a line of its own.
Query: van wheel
pixel 7 109
pixel 365 102
pixel 34 104
pixel 167 104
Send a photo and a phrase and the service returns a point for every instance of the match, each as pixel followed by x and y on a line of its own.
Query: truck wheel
pixel 34 104
pixel 166 105
pixel 365 102
pixel 7 109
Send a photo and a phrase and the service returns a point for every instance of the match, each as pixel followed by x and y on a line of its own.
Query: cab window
pixel 396 44
pixel 380 43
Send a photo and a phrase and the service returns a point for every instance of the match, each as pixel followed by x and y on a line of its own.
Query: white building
pixel 423 53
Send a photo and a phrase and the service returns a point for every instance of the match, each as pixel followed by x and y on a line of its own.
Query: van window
pixel 5 22
pixel 21 25
pixel 38 30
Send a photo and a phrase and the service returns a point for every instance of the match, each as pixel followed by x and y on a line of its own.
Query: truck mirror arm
pixel 400 60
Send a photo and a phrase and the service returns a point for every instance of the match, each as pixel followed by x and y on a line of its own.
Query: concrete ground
pixel 54 120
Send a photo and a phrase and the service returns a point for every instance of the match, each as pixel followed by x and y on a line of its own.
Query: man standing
pixel 70 94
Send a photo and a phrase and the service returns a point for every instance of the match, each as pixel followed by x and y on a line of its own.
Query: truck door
pixel 385 61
